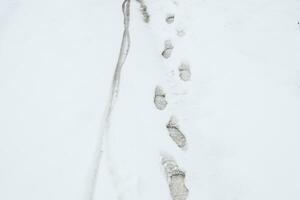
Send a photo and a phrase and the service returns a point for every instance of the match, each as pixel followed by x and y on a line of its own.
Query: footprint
pixel 168 49
pixel 185 72
pixel 175 2
pixel 160 100
pixel 176 179
pixel 144 11
pixel 175 133
pixel 170 18
pixel 180 31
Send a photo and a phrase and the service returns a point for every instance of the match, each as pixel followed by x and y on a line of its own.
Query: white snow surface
pixel 240 111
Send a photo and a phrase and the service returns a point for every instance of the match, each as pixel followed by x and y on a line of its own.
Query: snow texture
pixel 239 112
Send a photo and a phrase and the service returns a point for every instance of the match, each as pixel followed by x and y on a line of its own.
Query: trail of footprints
pixel 175 175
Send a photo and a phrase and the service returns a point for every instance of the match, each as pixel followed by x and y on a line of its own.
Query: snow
pixel 239 112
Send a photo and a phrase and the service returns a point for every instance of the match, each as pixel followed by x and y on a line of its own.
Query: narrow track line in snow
pixel 114 91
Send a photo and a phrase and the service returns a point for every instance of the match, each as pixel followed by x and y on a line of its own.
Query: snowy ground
pixel 240 112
